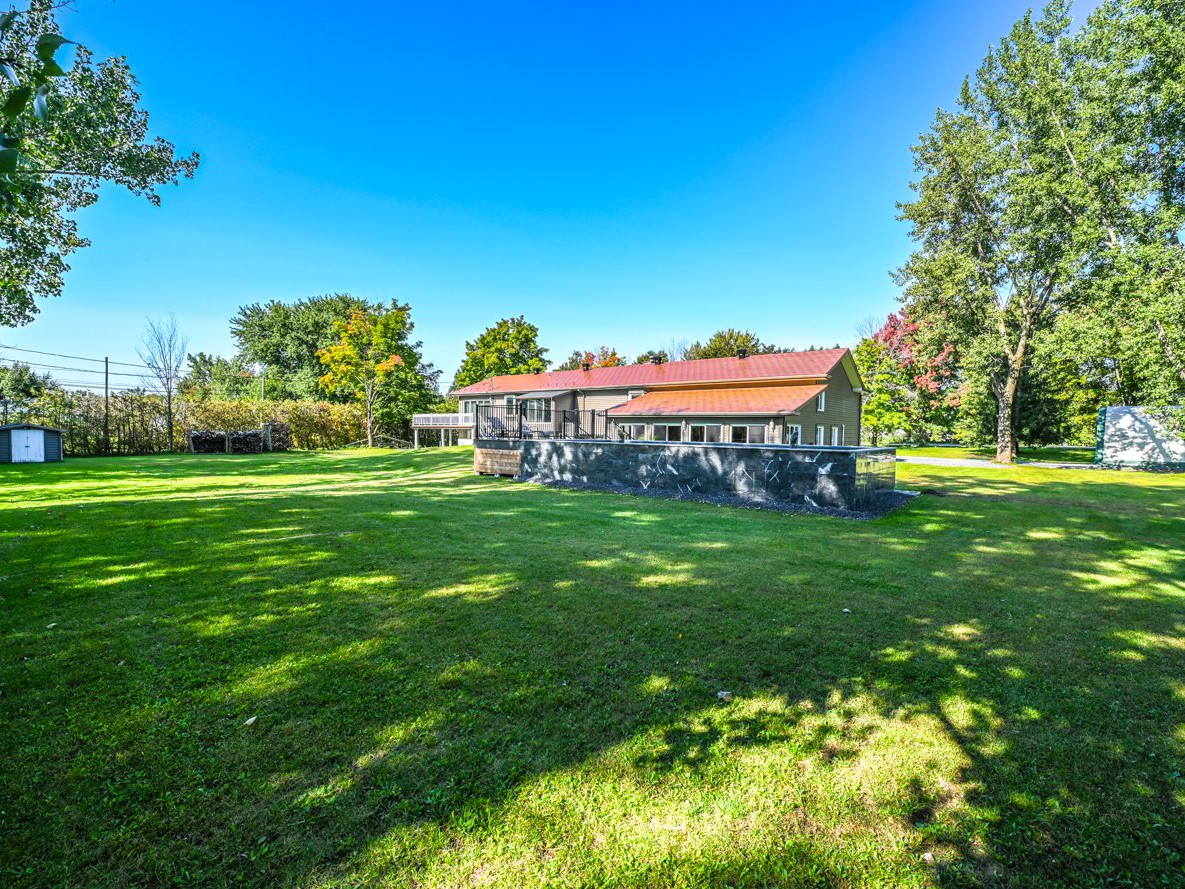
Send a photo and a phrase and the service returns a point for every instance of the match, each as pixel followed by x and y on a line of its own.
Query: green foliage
pixel 19 383
pixel 84 129
pixel 605 356
pixel 1048 215
pixel 375 361
pixel 286 337
pixel 654 356
pixel 211 377
pixel 727 344
pixel 509 347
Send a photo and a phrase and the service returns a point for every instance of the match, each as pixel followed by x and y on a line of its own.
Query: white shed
pixel 30 443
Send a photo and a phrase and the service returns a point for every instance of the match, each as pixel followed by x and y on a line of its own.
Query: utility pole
pixel 106 406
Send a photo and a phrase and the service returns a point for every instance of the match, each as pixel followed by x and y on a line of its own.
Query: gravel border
pixel 884 503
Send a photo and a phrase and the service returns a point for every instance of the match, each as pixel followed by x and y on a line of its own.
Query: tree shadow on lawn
pixel 421 660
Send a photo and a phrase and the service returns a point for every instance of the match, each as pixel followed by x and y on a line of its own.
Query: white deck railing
pixel 442 421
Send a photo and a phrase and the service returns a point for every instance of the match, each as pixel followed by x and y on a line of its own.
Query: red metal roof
pixel 776 366
pixel 760 400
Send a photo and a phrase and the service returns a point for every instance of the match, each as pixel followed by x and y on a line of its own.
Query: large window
pixel 632 431
pixel 538 410
pixel 469 407
pixel 707 432
pixel 793 435
pixel 748 434
pixel 668 432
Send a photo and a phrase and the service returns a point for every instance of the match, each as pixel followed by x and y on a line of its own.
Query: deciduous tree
pixel 509 347
pixel 80 128
pixel 727 344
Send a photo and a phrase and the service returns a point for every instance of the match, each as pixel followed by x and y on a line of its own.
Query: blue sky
pixel 621 174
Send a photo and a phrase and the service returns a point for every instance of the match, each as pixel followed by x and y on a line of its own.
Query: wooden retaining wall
pixel 497 458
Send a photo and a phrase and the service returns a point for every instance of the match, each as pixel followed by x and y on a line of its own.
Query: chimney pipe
pixel 742 353
pixel 586 366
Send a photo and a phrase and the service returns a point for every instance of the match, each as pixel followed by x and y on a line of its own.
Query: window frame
pixel 719 427
pixel 786 434
pixel 626 431
pixel 820 436
pixel 538 410
pixel 836 436
pixel 667 426
pixel 821 402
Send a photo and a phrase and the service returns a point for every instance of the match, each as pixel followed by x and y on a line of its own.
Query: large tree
pixel 605 356
pixel 285 338
pixel 727 344
pixel 999 217
pixel 509 347
pixel 376 363
pixel 78 129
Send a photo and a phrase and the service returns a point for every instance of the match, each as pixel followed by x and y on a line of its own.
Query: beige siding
pixel 600 399
pixel 842 408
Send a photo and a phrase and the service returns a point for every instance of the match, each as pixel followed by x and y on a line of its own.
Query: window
pixel 511 401
pixel 538 410
pixel 793 435
pixel 632 431
pixel 820 435
pixel 821 402
pixel 748 435
pixel 708 432
pixel 636 393
pixel 836 436
pixel 667 432
pixel 474 406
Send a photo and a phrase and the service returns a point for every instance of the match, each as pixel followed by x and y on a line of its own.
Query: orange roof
pixel 775 366
pixel 762 401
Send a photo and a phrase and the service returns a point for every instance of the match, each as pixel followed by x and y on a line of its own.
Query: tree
pixel 163 349
pixel 20 384
pixel 84 128
pixel 211 376
pixel 654 356
pixel 509 347
pixel 603 357
pixel 910 381
pixel 286 338
pixel 375 362
pixel 728 344
pixel 1000 219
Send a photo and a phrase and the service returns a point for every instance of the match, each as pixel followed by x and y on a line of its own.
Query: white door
pixel 28 446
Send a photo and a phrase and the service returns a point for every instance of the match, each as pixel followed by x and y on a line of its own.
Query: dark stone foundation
pixel 839 478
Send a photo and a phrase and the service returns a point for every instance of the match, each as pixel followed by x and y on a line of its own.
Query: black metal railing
pixel 524 421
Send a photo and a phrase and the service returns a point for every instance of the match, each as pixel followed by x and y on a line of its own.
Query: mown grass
pixel 1063 454
pixel 460 681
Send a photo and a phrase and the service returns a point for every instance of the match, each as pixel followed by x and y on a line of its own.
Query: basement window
pixel 668 432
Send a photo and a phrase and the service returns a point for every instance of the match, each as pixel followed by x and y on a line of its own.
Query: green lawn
pixel 1039 455
pixel 460 681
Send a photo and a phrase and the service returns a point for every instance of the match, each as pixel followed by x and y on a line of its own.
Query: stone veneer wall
pixel 846 478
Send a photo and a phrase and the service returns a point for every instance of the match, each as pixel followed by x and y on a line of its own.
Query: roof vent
pixel 656 359
pixel 586 366
pixel 742 353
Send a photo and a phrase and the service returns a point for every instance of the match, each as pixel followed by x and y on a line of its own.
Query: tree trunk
pixel 1006 412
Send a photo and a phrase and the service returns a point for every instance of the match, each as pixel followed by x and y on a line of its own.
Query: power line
pixel 75 357
pixel 85 370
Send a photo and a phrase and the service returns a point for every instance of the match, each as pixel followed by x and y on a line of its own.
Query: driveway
pixel 988 464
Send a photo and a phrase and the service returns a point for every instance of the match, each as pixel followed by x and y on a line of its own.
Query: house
pixel 794 398
pixel 30 443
